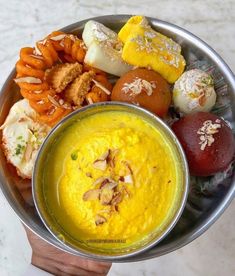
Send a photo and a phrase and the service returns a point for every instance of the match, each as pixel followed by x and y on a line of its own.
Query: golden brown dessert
pixel 79 88
pixel 145 88
pixel 63 74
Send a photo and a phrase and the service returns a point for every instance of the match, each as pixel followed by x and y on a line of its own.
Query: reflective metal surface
pixel 202 209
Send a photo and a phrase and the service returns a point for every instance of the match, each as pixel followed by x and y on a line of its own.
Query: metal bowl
pixel 75 245
pixel 202 209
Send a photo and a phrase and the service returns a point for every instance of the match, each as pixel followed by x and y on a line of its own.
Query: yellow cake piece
pixel 132 25
pixel 144 47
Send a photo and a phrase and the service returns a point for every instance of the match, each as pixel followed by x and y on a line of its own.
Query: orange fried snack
pixel 33 81
pixel 79 88
pixel 53 115
pixel 62 74
pixel 53 77
pixel 100 91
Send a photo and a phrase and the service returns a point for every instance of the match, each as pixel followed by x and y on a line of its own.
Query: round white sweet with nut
pixel 194 91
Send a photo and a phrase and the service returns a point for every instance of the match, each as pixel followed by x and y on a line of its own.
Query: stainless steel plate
pixel 208 197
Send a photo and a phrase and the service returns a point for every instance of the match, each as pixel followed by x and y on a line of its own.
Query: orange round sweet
pixel 145 88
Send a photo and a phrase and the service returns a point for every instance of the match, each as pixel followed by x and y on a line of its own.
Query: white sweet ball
pixel 194 91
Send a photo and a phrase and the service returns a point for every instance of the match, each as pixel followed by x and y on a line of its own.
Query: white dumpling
pixel 104 49
pixel 194 91
pixel 22 136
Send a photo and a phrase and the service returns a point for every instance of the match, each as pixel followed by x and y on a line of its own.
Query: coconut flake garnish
pixel 145 44
pixel 82 44
pixel 36 56
pixel 128 179
pixel 103 34
pixel 58 37
pixel 206 133
pixel 89 99
pixel 150 34
pixel 105 155
pixel 102 162
pixel 139 85
pixel 72 37
pixel 100 165
pixel 61 43
pixel 43 42
pixel 51 110
pixel 37 52
pixel 61 101
pixel 92 194
pixel 41 102
pixel 28 152
pixel 98 84
pixel 53 101
pixel 28 80
pixel 66 106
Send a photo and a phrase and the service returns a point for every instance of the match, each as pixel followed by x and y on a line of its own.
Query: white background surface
pixel 24 22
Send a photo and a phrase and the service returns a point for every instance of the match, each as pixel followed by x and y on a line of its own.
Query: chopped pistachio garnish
pixel 74 156
pixel 208 81
pixel 19 149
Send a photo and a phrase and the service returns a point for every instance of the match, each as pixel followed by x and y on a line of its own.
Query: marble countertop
pixel 24 22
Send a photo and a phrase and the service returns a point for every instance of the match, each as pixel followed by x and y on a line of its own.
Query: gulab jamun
pixel 145 88
pixel 208 142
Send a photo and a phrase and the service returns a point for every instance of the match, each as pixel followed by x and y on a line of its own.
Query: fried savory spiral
pixel 56 48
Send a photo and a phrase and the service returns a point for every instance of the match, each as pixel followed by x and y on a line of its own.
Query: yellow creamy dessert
pixel 144 47
pixel 112 176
